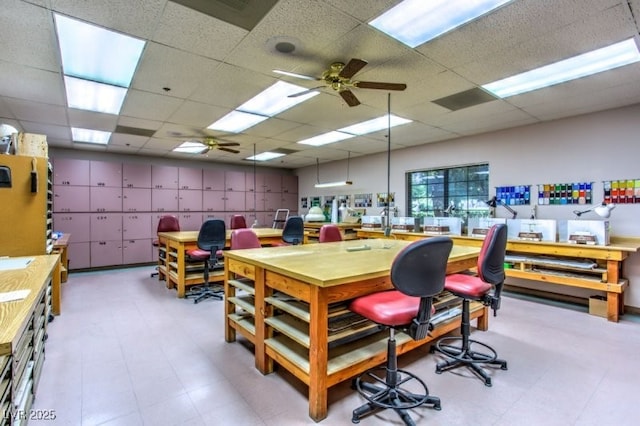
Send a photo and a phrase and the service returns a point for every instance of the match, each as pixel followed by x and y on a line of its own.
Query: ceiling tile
pixel 35 111
pixel 19 81
pixel 92 120
pixel 149 106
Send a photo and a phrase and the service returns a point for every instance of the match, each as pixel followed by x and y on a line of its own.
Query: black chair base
pixel 463 356
pixel 381 394
pixel 204 292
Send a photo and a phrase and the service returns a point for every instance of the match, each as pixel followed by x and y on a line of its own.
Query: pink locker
pixel 106 199
pixel 106 253
pixel 259 182
pixel 106 227
pixel 136 199
pixel 213 180
pixel 290 184
pixel 164 200
pixel 104 173
pixel 68 171
pixel 71 198
pixel 155 218
pixel 136 175
pixel 190 221
pixel 189 178
pixel 164 177
pixel 234 201
pixel 79 255
pixel 212 201
pixel 234 181
pixel 272 201
pixel 272 183
pixel 189 200
pixel 76 224
pixel 137 226
pixel 137 251
pixel 290 201
pixel 254 201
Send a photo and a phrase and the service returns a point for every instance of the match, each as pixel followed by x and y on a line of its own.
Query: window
pixel 462 191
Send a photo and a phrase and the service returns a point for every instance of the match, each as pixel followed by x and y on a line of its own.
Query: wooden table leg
pixel 318 353
pixel 182 271
pixel 613 306
pixel 483 320
pixel 264 363
pixel 229 308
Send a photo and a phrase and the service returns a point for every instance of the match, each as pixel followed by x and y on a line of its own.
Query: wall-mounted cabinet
pixel 164 177
pixel 103 173
pixel 136 175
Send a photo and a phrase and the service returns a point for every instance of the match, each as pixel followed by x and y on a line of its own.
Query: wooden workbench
pixel 61 246
pixel 23 325
pixel 173 267
pixel 285 312
pixel 348 230
pixel 606 277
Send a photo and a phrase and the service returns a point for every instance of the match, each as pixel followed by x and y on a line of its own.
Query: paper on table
pixel 14 263
pixel 14 295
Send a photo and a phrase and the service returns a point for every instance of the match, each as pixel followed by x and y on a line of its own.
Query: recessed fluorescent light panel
pixel 189 147
pixel 90 136
pixel 414 22
pixel 92 96
pixel 96 53
pixel 374 125
pixel 274 99
pixel 604 59
pixel 326 138
pixel 265 156
pixel 237 121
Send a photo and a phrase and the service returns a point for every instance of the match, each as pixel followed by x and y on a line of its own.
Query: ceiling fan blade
pixel 228 144
pixel 349 98
pixel 379 85
pixel 222 148
pixel 352 68
pixel 304 92
pixel 293 74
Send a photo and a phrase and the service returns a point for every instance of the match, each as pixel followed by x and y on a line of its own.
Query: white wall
pixel 589 148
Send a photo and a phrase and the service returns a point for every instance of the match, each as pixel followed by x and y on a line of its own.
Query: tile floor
pixel 126 351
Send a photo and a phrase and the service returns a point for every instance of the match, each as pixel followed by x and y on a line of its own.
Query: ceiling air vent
pixel 241 13
pixel 134 131
pixel 466 99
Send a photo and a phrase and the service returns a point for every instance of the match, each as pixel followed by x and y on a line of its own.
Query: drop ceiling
pixel 213 61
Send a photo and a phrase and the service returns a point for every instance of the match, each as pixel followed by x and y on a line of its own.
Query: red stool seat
pixel 467 286
pixel 391 308
pixel 199 254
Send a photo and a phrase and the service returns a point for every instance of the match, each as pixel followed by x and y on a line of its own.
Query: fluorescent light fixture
pixel 237 121
pixel 92 96
pixel 414 22
pixel 374 125
pixel 97 54
pixel 265 156
pixel 90 136
pixel 189 147
pixel 293 74
pixel 599 60
pixel 274 99
pixel 332 184
pixel 326 138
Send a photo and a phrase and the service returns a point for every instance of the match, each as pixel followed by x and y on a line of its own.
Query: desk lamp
pixel 493 202
pixel 585 234
pixel 603 210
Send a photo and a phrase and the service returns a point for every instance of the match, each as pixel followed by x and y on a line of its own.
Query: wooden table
pixel 61 246
pixel 605 278
pixel 348 230
pixel 313 277
pixel 174 268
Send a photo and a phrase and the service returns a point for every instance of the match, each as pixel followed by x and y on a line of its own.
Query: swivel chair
pixel 490 276
pixel 166 223
pixel 244 238
pixel 293 231
pixel 417 273
pixel 237 222
pixel 211 240
pixel 329 234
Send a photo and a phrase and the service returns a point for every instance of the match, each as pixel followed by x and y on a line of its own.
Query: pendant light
pixel 332 184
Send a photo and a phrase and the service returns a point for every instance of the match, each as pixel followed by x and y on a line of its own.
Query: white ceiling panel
pixel 149 106
pixel 92 120
pixel 31 84
pixel 37 112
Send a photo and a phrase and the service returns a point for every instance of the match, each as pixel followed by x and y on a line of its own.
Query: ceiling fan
pixel 338 77
pixel 208 143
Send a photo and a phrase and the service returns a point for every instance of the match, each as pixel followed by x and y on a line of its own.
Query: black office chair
pixel 211 240
pixel 417 273
pixel 293 231
pixel 490 276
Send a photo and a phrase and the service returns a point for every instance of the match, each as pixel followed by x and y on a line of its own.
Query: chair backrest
pixel 213 235
pixel 420 270
pixel 244 239
pixel 237 222
pixel 293 231
pixel 168 223
pixel 421 267
pixel 329 233
pixel 491 258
